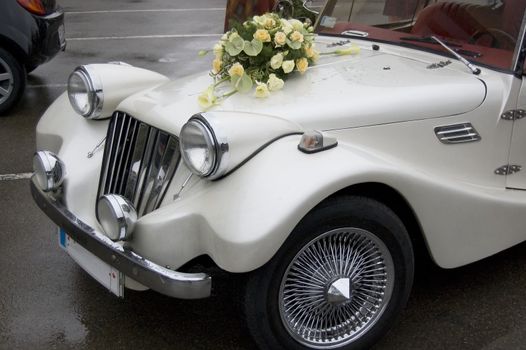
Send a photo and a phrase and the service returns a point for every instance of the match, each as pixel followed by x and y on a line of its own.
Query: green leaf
pixel 294 44
pixel 242 84
pixel 253 48
pixel 234 46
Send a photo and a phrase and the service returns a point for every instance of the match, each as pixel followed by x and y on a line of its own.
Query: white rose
pixel 297 25
pixel 261 90
pixel 218 50
pixel 274 83
pixel 287 27
pixel 288 66
pixel 276 61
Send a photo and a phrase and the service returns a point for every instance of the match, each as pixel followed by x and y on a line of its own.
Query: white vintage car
pixel 320 194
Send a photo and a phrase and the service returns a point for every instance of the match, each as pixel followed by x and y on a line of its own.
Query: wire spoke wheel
pixel 336 288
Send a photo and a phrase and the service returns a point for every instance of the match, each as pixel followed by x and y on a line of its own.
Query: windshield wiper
pixel 471 67
pixel 429 40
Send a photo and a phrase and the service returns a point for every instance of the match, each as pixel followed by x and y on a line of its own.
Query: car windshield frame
pixel 407 31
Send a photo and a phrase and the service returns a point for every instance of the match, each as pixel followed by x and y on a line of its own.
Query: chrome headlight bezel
pixel 93 90
pixel 117 216
pixel 49 170
pixel 216 142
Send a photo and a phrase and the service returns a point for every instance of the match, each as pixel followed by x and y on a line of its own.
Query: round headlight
pixel 198 147
pixel 117 216
pixel 85 92
pixel 49 170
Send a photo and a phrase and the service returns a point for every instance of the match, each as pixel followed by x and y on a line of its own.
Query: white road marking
pixel 146 10
pixel 161 36
pixel 47 86
pixel 20 176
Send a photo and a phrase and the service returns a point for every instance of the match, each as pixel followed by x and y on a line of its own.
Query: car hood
pixel 339 92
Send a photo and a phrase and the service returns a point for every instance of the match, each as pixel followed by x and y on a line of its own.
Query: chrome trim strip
pixel 170 166
pixel 457 133
pixel 147 163
pixel 165 281
pixel 136 162
pixel 127 164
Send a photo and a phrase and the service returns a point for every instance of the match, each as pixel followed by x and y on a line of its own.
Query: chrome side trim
pixel 165 281
pixel 457 133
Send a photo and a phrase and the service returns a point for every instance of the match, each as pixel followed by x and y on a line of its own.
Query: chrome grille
pixel 139 162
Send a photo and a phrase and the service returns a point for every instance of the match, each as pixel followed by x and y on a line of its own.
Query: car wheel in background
pixel 12 80
pixel 338 282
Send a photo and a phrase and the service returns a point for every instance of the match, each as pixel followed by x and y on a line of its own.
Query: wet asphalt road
pixel 48 302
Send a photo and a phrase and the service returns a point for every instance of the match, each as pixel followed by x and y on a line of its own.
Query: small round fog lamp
pixel 49 170
pixel 117 216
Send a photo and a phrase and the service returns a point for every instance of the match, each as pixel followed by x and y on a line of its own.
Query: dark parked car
pixel 31 33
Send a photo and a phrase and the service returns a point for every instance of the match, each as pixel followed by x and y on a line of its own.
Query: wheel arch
pixel 395 201
pixel 16 50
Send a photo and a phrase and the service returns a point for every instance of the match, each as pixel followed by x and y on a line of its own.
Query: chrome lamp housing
pixel 117 216
pixel 85 92
pixel 49 170
pixel 204 149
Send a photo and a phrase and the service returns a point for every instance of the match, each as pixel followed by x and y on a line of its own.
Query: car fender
pixel 243 219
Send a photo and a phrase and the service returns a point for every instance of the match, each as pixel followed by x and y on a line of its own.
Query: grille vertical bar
pixel 139 162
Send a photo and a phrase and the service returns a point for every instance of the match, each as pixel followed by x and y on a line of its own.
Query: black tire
pixel 353 221
pixel 12 80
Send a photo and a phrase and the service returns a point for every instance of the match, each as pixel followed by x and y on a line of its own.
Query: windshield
pixel 483 31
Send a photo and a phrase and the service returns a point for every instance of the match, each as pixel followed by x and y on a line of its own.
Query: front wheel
pixel 12 80
pixel 338 282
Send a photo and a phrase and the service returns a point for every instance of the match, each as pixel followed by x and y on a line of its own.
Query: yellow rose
pixel 288 66
pixel 280 38
pixel 296 36
pixel 262 35
pixel 216 65
pixel 274 83
pixel 236 70
pixel 302 65
pixel 276 61
pixel 269 22
pixel 261 90
pixel 309 52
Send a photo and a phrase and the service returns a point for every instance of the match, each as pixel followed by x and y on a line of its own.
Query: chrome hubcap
pixel 6 81
pixel 339 291
pixel 336 288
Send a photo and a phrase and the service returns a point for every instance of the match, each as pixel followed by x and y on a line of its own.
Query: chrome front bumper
pixel 165 281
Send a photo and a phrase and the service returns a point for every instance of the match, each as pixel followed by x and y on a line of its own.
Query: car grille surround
pixel 139 162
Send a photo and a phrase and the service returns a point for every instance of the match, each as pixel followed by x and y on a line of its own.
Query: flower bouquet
pixel 262 51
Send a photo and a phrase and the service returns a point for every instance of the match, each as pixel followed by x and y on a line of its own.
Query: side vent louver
pixel 457 133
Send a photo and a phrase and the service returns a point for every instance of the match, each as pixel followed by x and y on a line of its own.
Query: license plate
pixel 105 274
